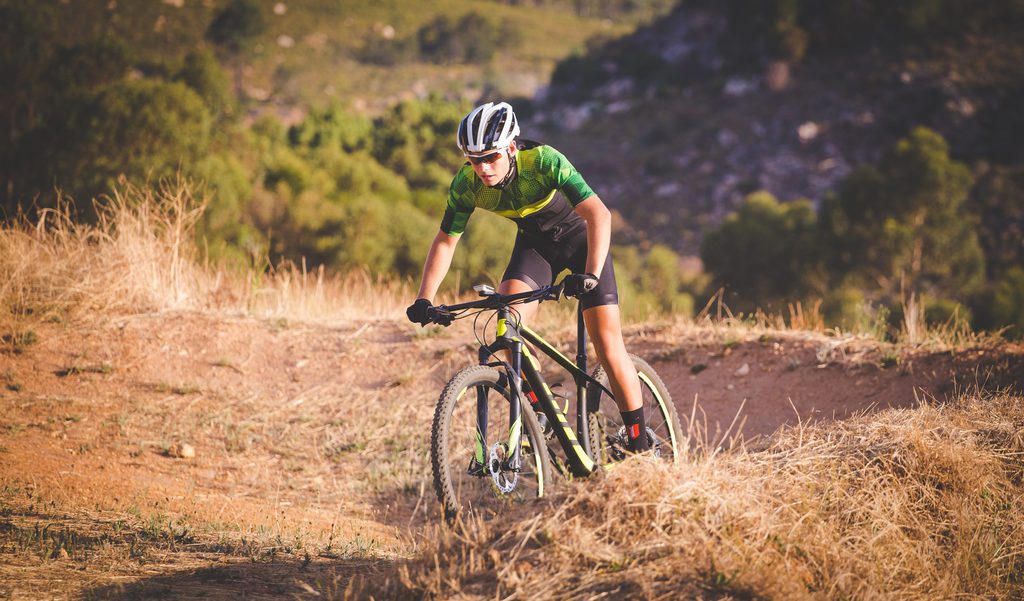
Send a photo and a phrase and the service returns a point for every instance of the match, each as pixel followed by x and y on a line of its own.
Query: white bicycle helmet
pixel 487 128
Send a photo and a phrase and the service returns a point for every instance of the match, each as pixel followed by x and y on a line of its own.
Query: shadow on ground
pixel 241 579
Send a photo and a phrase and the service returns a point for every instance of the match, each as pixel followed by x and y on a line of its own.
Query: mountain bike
pixel 494 421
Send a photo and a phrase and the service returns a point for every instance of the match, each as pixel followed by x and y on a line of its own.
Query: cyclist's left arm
pixel 599 232
pixel 587 205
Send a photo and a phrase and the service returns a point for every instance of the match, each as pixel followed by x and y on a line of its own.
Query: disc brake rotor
pixel 504 480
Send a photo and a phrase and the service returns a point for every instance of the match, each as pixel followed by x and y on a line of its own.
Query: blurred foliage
pixel 655 282
pixel 472 38
pixel 1005 303
pixel 237 25
pixel 902 226
pixel 203 73
pixel 445 40
pixel 352 191
pixel 897 229
pixel 765 253
pixel 998 200
pixel 604 9
pixel 139 128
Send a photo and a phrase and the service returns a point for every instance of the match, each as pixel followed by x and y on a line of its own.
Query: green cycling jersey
pixel 530 199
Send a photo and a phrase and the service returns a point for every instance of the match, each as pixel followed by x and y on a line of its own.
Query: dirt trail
pixel 311 440
pixel 763 381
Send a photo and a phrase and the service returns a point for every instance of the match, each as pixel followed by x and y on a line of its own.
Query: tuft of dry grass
pixel 906 504
pixel 140 256
pixel 913 333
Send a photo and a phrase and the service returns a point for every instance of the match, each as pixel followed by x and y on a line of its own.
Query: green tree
pixel 417 141
pixel 142 129
pixel 332 127
pixel 236 25
pixel 26 33
pixel 998 202
pixel 472 38
pixel 766 253
pixel 202 72
pixel 234 29
pixel 902 226
pixel 1007 303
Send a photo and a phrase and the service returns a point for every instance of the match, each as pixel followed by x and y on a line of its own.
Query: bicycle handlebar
pixel 445 314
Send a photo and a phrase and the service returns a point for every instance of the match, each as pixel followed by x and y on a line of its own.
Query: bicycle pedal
pixel 617 448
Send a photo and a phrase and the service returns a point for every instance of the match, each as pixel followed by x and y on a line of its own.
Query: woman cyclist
pixel 520 179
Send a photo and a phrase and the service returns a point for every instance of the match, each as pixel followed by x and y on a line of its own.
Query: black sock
pixel 636 430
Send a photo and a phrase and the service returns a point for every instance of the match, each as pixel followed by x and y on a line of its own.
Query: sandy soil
pixel 310 440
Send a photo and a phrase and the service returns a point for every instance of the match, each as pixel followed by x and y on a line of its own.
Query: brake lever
pixel 554 292
pixel 441 315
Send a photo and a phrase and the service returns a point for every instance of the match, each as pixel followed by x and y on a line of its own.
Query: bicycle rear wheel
pixel 464 482
pixel 608 435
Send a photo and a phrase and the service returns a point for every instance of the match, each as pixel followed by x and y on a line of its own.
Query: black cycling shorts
pixel 538 262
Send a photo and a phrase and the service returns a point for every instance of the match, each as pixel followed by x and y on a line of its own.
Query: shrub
pixel 472 38
pixel 136 128
pixel 766 252
pixel 236 25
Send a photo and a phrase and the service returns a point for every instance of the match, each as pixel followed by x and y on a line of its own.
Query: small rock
pixel 777 76
pixel 182 451
pixel 808 131
pixel 730 387
pixel 743 370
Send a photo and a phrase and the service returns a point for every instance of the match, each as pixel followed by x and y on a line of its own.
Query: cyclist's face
pixel 493 167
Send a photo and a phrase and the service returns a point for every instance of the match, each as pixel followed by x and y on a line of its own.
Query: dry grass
pixel 911 504
pixel 140 256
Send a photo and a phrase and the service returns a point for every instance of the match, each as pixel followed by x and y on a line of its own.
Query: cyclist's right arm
pixel 439 259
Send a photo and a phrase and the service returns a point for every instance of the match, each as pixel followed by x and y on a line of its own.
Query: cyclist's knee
pixel 514 286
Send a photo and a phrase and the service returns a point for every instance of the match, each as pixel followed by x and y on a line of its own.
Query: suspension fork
pixel 514 380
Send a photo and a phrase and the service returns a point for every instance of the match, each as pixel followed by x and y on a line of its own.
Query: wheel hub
pixel 504 480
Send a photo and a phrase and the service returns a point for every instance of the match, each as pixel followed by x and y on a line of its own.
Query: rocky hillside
pixel 676 123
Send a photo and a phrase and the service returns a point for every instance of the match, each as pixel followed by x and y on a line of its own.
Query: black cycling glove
pixel 579 284
pixel 417 312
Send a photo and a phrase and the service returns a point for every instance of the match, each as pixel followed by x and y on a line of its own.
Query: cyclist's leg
pixel 527 270
pixel 604 325
pixel 601 314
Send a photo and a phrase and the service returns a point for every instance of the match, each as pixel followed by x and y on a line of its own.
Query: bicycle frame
pixel 512 337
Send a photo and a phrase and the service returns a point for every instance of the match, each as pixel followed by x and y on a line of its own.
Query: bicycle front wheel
pixel 470 473
pixel 608 435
